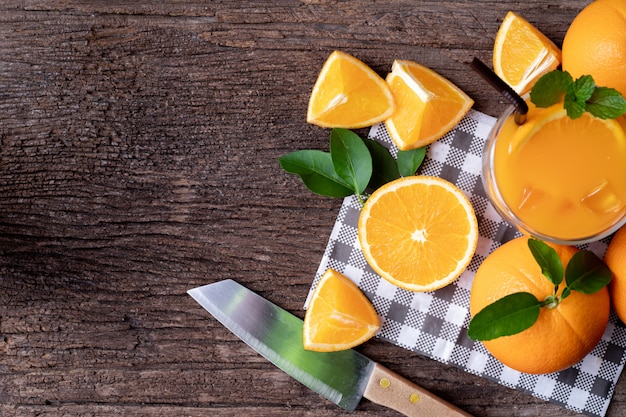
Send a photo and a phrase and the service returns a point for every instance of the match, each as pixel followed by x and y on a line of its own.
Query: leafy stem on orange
pixel 585 273
pixel 551 301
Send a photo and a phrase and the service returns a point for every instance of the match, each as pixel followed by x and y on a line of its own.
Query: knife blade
pixel 343 377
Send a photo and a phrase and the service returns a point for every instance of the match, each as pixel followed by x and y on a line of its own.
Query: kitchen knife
pixel 343 377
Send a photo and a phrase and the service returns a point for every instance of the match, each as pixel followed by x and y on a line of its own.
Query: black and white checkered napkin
pixel 435 323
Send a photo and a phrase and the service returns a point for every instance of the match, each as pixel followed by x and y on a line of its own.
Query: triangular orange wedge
pixel 427 105
pixel 339 315
pixel 522 54
pixel 348 94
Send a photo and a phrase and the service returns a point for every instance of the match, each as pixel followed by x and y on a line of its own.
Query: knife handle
pixel 393 391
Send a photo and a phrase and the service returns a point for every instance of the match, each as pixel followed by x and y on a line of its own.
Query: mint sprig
pixel 578 96
pixel 514 313
pixel 352 166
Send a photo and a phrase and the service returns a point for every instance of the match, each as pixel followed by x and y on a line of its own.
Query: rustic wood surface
pixel 138 149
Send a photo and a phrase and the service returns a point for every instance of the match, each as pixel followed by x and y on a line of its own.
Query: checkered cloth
pixel 434 324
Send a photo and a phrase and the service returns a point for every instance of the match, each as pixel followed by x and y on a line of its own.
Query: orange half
pixel 418 232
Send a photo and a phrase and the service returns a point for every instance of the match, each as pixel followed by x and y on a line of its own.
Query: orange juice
pixel 558 178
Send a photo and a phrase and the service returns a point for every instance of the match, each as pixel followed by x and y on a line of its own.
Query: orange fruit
pixel 418 232
pixel 522 54
pixel 427 105
pixel 339 315
pixel 595 44
pixel 348 94
pixel 561 336
pixel 615 259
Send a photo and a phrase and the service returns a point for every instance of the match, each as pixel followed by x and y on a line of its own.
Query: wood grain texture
pixel 138 150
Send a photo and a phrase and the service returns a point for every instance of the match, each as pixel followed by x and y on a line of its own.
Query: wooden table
pixel 139 145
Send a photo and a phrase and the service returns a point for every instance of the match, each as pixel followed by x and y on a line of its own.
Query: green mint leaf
pixel 507 316
pixel 317 172
pixel 573 108
pixel 584 88
pixel 548 260
pixel 587 273
pixel 578 96
pixel 550 88
pixel 351 159
pixel 606 103
pixel 410 161
pixel 383 165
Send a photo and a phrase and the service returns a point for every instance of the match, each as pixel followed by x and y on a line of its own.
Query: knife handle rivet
pixel 414 398
pixel 385 383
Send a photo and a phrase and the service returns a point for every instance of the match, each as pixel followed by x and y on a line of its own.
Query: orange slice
pixel 553 121
pixel 339 315
pixel 522 54
pixel 427 105
pixel 348 94
pixel 418 232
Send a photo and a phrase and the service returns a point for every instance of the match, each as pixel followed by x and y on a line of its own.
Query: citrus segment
pixel 595 44
pixel 561 336
pixel 427 105
pixel 348 94
pixel 521 53
pixel 339 315
pixel 418 232
pixel 615 259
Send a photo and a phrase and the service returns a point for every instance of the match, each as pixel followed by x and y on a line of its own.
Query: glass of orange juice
pixel 559 179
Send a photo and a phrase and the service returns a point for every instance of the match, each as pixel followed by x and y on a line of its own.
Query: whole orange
pixel 615 259
pixel 595 44
pixel 561 336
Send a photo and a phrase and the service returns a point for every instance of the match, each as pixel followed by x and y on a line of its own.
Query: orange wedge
pixel 418 232
pixel 348 94
pixel 339 315
pixel 427 105
pixel 522 54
